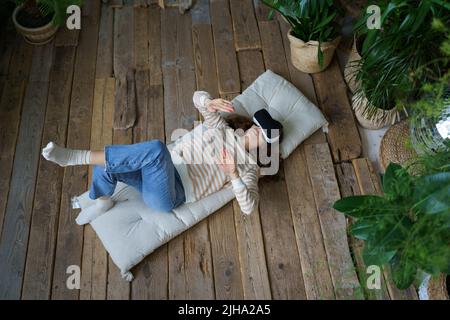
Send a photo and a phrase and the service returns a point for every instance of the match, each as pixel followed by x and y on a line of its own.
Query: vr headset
pixel 271 128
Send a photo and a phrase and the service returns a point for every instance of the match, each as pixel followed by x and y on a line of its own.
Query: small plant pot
pixel 352 67
pixel 36 36
pixel 377 120
pixel 304 54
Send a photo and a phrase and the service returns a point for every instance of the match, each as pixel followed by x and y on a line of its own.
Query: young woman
pixel 198 164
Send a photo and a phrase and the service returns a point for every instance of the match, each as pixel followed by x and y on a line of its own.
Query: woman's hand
pixel 219 105
pixel 227 164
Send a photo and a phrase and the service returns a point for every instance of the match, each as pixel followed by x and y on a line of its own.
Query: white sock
pixel 64 156
pixel 96 210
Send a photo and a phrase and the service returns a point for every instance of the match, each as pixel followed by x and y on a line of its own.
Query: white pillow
pixel 285 103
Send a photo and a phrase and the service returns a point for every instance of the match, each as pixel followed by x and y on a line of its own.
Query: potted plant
pixel 395 60
pixel 38 20
pixel 314 33
pixel 429 122
pixel 408 227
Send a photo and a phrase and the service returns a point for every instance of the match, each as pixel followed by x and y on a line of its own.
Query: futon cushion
pixel 131 230
pixel 299 116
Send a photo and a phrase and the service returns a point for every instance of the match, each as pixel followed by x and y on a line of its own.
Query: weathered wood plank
pixel 251 66
pixel 343 135
pixel 118 288
pixel 283 261
pixel 125 101
pixel 66 38
pixel 125 106
pixel 115 3
pixel 227 67
pixel 224 248
pixel 368 182
pixel 141 39
pixel 104 68
pixel 273 49
pixel 154 38
pixel 6 52
pixel 261 10
pixel 205 61
pixel 10 108
pixel 94 268
pixel 123 41
pixel 178 71
pixel 20 62
pixel 348 185
pixel 17 219
pixel 44 222
pixel 229 96
pixel 198 262
pixel 333 224
pixel 70 236
pixel 255 277
pixel 151 277
pixel 311 248
pixel 190 265
pixel 200 12
pixel 245 27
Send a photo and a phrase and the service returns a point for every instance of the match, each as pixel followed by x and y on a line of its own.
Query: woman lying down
pixel 195 168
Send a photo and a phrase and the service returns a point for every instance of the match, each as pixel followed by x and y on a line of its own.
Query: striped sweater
pixel 195 157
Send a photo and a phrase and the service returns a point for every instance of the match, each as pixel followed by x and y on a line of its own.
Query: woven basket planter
pixel 380 119
pixel 394 147
pixel 304 54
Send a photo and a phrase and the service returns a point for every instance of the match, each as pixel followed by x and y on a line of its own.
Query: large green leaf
pixel 376 255
pixel 403 271
pixel 363 228
pixel 366 206
pixel 390 176
pixel 432 193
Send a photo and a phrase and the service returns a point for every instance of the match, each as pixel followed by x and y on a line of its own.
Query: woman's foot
pixel 96 210
pixel 64 156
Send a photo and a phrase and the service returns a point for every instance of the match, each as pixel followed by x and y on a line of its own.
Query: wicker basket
pixel 394 147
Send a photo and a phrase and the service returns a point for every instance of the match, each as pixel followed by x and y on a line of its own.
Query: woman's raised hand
pixel 219 105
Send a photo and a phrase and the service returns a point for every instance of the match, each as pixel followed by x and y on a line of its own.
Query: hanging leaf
pixel 432 193
pixel 403 271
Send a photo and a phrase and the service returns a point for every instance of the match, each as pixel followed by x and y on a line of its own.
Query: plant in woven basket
pixel 397 59
pixel 310 20
pixel 408 227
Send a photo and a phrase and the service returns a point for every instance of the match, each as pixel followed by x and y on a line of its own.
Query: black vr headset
pixel 271 128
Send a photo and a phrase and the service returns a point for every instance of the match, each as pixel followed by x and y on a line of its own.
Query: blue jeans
pixel 146 166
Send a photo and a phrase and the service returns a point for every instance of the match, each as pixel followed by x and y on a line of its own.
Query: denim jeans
pixel 146 166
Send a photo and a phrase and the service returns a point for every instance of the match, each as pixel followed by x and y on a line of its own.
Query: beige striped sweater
pixel 195 157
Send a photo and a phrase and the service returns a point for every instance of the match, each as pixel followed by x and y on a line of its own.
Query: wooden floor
pixel 75 89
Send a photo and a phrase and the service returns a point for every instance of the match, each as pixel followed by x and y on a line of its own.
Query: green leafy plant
pixel 404 54
pixel 408 227
pixel 433 94
pixel 315 20
pixel 44 8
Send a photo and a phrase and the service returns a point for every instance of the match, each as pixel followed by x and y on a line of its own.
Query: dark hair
pixel 244 123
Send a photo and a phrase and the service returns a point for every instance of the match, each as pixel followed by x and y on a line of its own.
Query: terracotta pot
pixel 380 119
pixel 351 68
pixel 36 36
pixel 304 54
